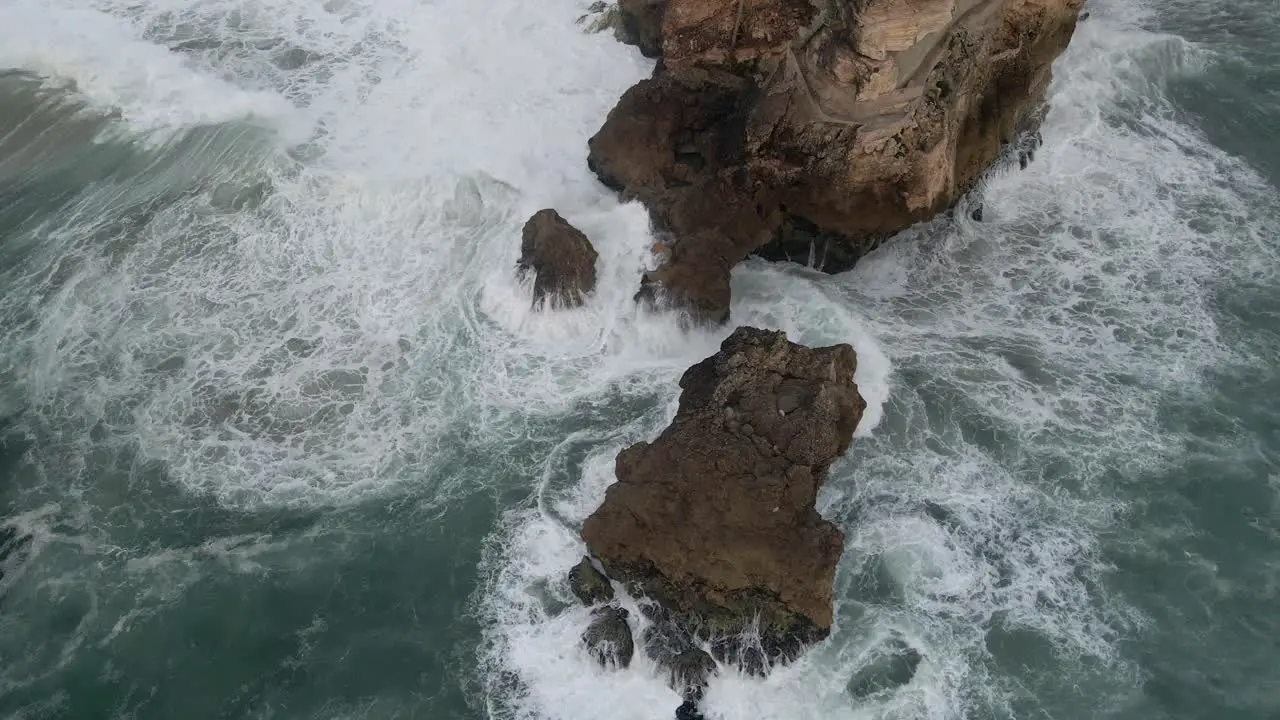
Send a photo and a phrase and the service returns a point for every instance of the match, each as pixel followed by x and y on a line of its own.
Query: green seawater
pixel 281 438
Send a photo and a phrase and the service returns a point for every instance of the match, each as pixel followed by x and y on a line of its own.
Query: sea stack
pixel 811 130
pixel 714 520
pixel 561 258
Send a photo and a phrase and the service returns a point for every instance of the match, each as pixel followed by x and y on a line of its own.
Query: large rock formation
pixel 715 519
pixel 561 258
pixel 813 129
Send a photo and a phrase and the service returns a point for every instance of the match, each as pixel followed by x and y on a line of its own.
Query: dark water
pixel 279 437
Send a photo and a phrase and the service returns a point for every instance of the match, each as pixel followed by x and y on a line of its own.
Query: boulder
pixel 715 519
pixel 811 130
pixel 608 637
pixel 561 258
pixel 588 584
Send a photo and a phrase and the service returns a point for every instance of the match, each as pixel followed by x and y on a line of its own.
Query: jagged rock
pixel 689 668
pixel 589 584
pixel 560 256
pixel 811 130
pixel 608 637
pixel 892 665
pixel 693 280
pixel 640 24
pixel 715 519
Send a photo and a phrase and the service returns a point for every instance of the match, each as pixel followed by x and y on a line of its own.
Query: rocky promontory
pixel 714 520
pixel 811 130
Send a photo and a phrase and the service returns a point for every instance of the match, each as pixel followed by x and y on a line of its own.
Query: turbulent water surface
pixel 287 441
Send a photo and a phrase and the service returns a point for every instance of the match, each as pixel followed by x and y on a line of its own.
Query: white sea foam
pixel 149 87
pixel 335 320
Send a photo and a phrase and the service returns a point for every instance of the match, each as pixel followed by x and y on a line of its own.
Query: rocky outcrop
pixel 608 637
pixel 588 584
pixel 715 520
pixel 813 129
pixel 561 258
pixel 689 668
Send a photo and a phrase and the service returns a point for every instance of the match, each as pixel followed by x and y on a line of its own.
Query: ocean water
pixel 287 441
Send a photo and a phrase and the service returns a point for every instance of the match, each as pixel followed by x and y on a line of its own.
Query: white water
pixel 331 344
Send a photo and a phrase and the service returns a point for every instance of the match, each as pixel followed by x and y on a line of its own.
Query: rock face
pixel 561 258
pixel 813 129
pixel 715 519
pixel 588 584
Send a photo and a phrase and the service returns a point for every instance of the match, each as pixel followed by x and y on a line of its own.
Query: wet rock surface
pixel 811 131
pixel 715 520
pixel 608 637
pixel 561 259
pixel 689 668
pixel 588 584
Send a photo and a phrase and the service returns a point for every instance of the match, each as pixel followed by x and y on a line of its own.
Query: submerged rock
pixel 810 130
pixel 561 258
pixel 608 637
pixel 892 665
pixel 715 519
pixel 589 584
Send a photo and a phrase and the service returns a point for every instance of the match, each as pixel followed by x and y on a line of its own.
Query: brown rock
pixel 560 256
pixel 715 519
pixel 813 129
pixel 640 24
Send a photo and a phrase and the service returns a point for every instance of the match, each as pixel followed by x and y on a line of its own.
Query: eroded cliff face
pixel 814 129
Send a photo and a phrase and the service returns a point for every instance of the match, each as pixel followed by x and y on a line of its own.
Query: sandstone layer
pixel 715 519
pixel 811 130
